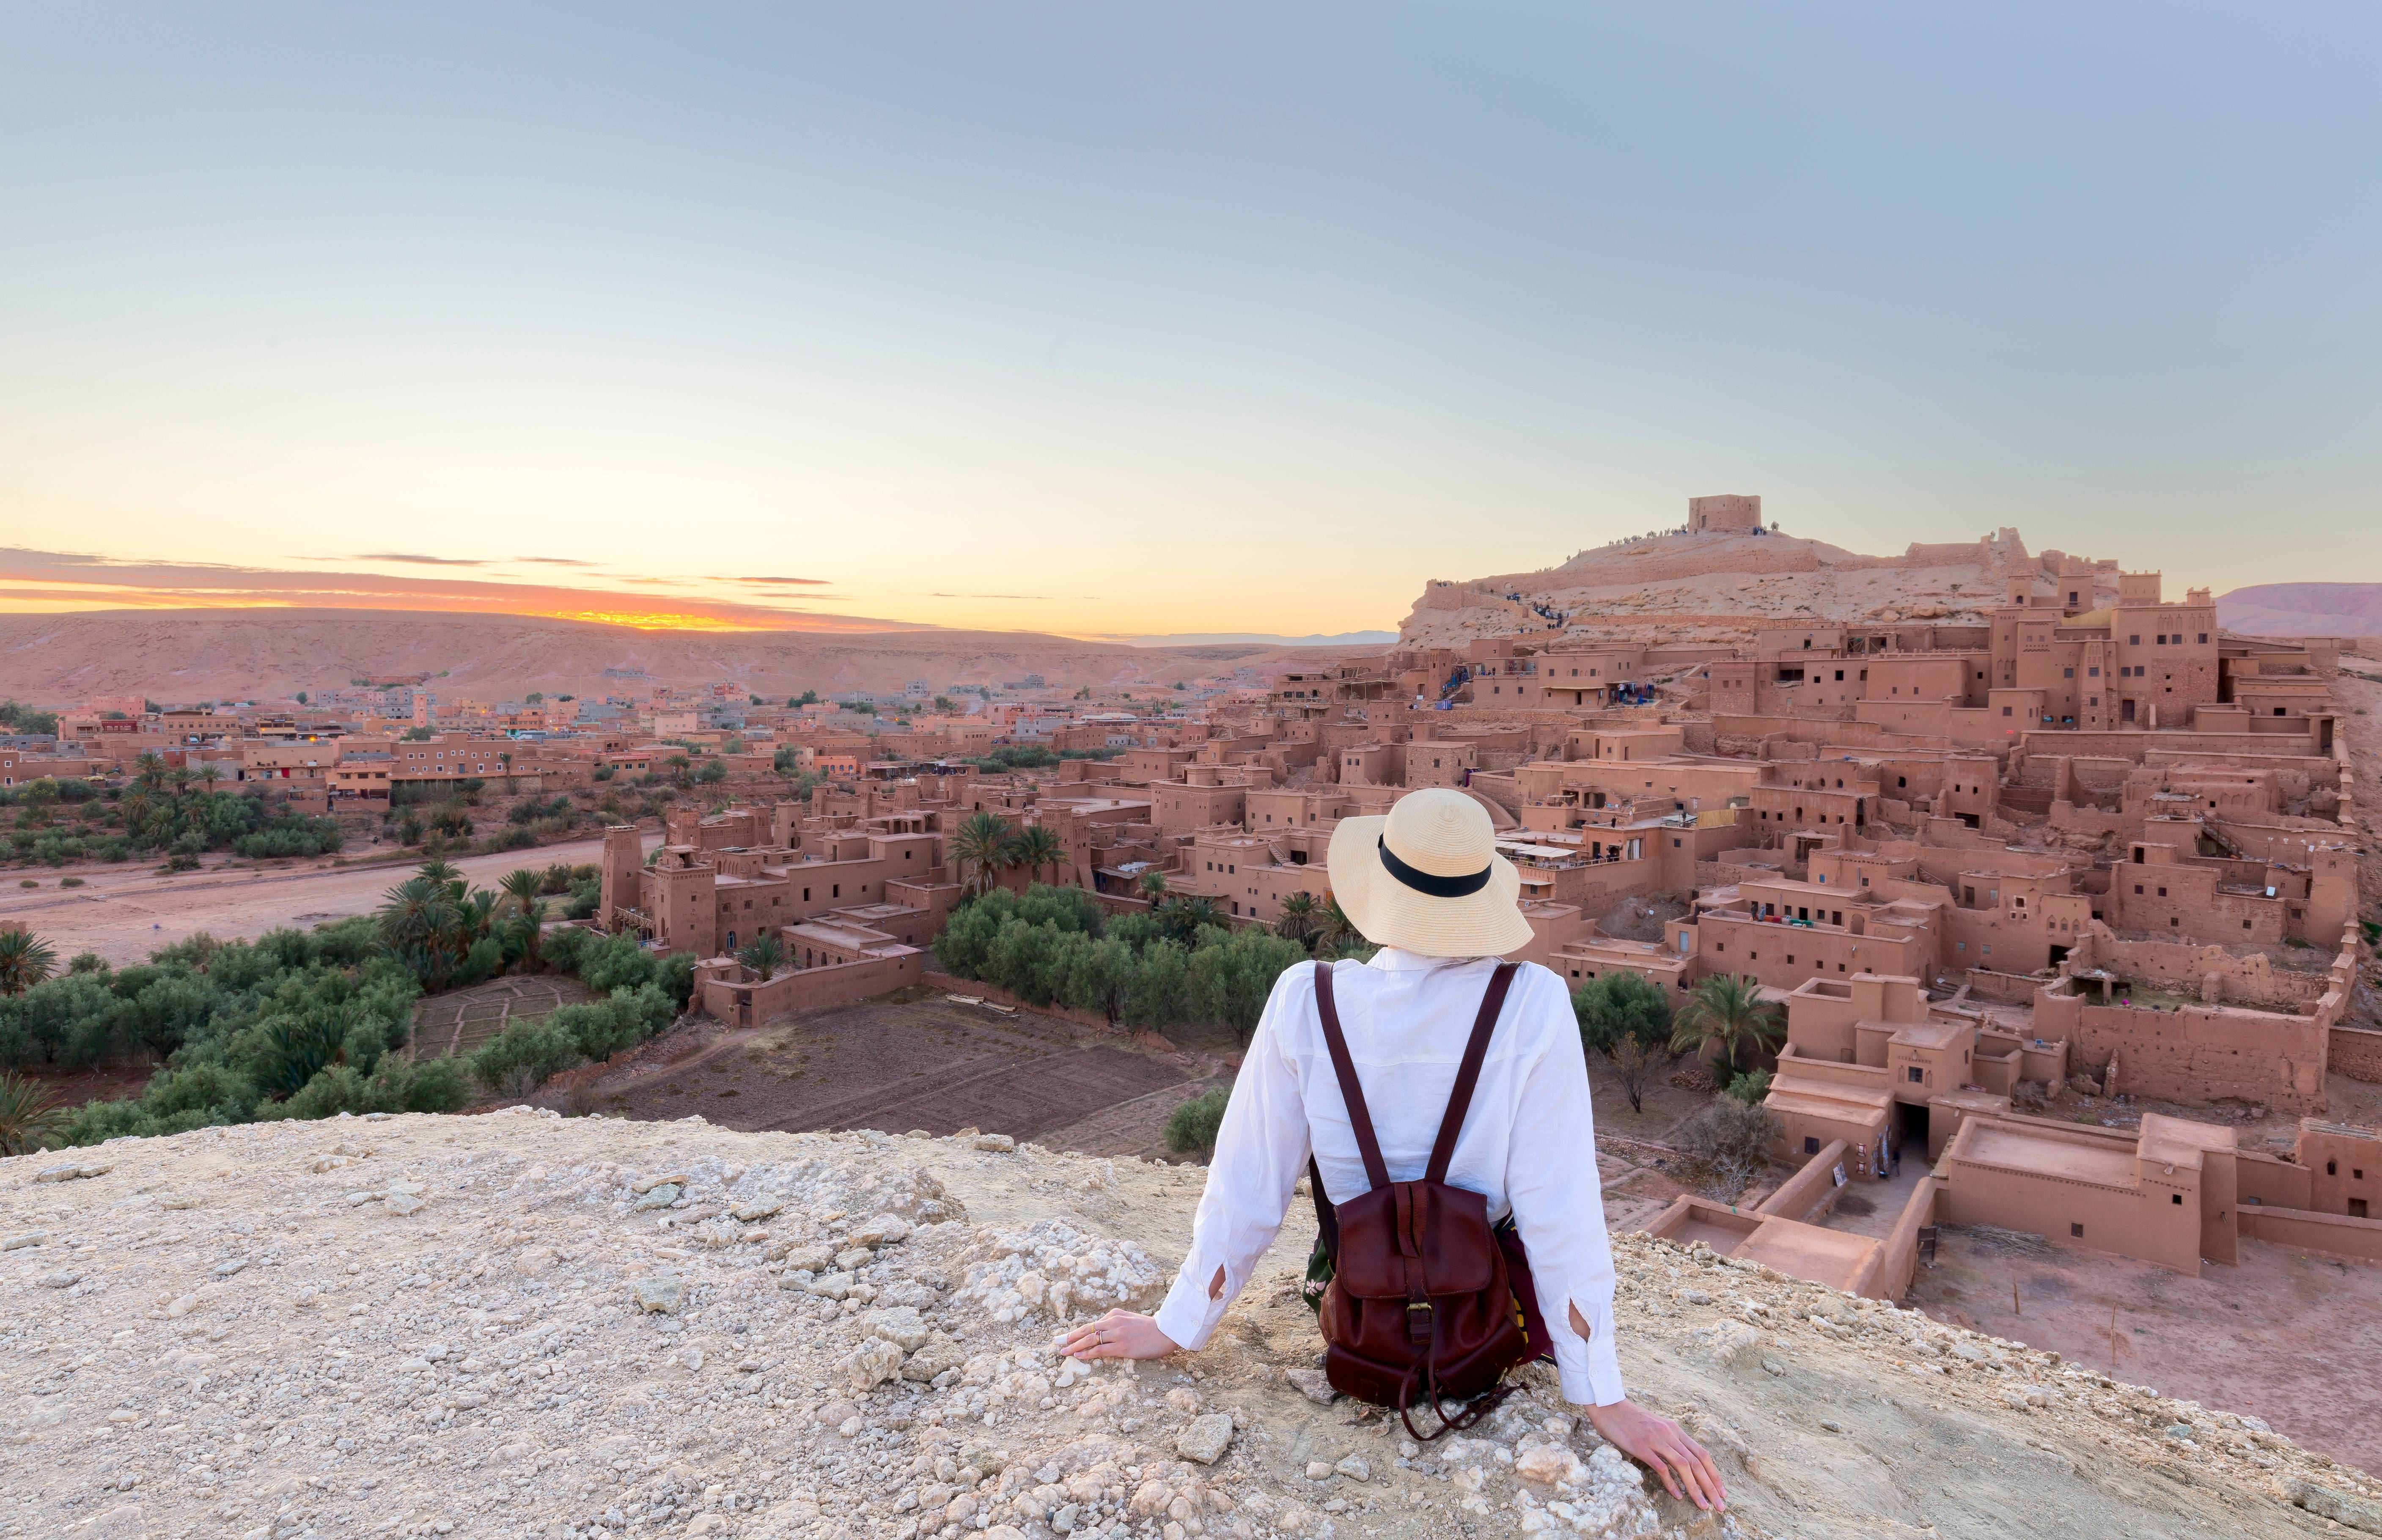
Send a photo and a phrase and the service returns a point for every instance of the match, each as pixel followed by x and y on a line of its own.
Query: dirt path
pixel 125 914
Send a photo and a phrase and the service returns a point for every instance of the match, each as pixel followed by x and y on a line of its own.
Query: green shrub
pixel 1191 1127
pixel 1750 1087
pixel 602 1028
pixel 525 1056
pixel 428 1085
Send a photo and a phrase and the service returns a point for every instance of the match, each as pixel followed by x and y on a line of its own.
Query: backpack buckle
pixel 1418 1325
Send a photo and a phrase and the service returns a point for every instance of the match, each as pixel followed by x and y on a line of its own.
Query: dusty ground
pixel 2287 1334
pixel 124 914
pixel 917 1063
pixel 422 1325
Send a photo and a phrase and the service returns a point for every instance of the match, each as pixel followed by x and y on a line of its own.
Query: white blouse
pixel 1529 1144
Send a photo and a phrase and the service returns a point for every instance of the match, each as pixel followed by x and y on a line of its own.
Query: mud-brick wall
pixel 2199 1054
pixel 811 988
pixel 2357 1053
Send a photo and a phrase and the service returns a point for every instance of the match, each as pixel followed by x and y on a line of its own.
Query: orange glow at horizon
pixel 660 620
pixel 588 607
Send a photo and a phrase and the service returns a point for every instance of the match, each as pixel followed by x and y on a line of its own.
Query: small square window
pixel 2077 1231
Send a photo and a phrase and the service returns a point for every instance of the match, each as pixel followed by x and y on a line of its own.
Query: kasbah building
pixel 2076 840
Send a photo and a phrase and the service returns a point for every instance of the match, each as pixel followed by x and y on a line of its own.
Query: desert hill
pixel 520 1324
pixel 2303 609
pixel 199 655
pixel 1713 586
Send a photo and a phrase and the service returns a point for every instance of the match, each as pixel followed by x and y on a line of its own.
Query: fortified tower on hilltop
pixel 1728 513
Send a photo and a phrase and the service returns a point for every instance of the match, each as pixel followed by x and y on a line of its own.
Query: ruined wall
pixel 808 988
pixel 2357 1053
pixel 2246 979
pixel 2336 1233
pixel 2201 1054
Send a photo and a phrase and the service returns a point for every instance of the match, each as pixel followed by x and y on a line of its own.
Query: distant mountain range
pixel 236 654
pixel 2303 609
pixel 1210 638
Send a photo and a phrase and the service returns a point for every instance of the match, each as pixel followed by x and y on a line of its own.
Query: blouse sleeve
pixel 1260 1151
pixel 1558 1202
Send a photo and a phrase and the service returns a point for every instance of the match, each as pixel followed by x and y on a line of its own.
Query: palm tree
pixel 25 960
pixel 440 870
pixel 1727 1013
pixel 1153 886
pixel 30 1113
pixel 209 774
pixel 419 920
pixel 678 764
pixel 522 890
pixel 765 954
pixel 1184 917
pixel 1335 931
pixel 1298 922
pixel 982 842
pixel 1037 846
pixel 149 769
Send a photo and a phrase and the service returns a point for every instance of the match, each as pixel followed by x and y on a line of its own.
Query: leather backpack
pixel 1421 1306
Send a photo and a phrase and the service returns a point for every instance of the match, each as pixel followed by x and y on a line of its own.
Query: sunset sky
pixel 1147 319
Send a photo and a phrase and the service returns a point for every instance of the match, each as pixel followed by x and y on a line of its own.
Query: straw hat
pixel 1427 878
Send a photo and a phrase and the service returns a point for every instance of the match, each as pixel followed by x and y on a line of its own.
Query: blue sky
pixel 1143 320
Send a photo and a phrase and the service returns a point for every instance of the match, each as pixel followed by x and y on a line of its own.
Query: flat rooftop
pixel 1824 1099
pixel 2103 1163
pixel 1921 1034
pixel 1825 1256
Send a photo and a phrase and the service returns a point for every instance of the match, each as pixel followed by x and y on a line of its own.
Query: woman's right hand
pixel 1663 1446
pixel 1117 1334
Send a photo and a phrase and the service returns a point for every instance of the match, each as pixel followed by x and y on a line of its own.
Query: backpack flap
pixel 1393 1233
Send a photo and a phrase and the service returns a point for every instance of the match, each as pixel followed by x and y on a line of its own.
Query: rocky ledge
pixel 522 1325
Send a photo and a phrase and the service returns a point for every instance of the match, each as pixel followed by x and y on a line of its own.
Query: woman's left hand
pixel 1117 1334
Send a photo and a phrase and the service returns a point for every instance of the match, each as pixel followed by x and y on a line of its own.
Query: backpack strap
pixel 1327 1218
pixel 1361 1121
pixel 1459 1100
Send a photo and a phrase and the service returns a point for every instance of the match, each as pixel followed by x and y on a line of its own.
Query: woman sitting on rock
pixel 1427 884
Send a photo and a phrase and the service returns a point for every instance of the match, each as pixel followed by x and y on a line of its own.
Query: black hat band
pixel 1425 881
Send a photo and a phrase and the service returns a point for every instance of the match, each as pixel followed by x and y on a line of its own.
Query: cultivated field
pixel 460 1021
pixel 925 1063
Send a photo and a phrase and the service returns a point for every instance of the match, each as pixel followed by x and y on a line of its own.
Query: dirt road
pixel 125 913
